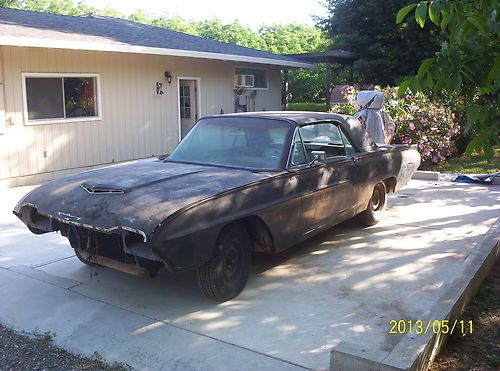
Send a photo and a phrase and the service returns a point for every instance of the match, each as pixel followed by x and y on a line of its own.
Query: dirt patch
pixel 37 352
pixel 479 350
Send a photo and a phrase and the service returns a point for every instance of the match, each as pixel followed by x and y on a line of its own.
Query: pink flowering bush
pixel 434 126
pixel 429 124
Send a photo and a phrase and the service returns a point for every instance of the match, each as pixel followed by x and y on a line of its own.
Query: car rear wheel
pixel 224 276
pixel 376 207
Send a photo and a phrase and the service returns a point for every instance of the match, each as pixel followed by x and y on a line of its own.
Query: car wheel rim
pixel 231 261
pixel 377 200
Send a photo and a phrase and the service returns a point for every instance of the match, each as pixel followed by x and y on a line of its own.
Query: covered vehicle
pixel 235 184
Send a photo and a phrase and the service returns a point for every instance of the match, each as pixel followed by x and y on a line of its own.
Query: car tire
pixel 376 206
pixel 225 275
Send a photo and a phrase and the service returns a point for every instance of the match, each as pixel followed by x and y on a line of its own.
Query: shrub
pixel 433 125
pixel 430 124
pixel 316 107
pixel 343 108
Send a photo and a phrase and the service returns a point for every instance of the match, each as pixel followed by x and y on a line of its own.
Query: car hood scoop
pixel 117 181
pixel 101 189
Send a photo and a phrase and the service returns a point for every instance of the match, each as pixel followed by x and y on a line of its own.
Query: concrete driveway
pixel 344 285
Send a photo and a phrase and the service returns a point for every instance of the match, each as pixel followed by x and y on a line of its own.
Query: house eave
pixel 126 48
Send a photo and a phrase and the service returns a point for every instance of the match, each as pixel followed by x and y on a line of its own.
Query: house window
pixel 185 102
pixel 252 78
pixel 53 98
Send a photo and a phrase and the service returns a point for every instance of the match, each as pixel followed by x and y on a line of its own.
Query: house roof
pixel 93 32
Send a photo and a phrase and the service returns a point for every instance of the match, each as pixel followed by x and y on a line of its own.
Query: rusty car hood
pixel 136 195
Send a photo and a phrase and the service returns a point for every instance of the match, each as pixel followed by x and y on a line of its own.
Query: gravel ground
pixel 479 350
pixel 36 352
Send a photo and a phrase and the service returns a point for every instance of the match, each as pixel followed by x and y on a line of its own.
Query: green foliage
pixel 293 39
pixel 343 108
pixel 234 33
pixel 308 85
pixel 175 23
pixel 429 123
pixel 315 107
pixel 473 164
pixel 387 51
pixel 65 7
pixel 468 63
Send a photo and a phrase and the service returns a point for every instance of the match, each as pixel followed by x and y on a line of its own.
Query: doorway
pixel 188 103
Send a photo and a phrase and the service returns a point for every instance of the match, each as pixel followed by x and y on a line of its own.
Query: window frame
pixel 182 98
pixel 253 68
pixel 291 166
pixel 62 120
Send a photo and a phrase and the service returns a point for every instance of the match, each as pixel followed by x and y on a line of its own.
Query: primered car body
pixel 283 176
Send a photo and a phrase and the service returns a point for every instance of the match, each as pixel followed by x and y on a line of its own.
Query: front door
pixel 187 105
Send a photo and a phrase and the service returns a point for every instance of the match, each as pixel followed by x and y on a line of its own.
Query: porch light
pixel 168 76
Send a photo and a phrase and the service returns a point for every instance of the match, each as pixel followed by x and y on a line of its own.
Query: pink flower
pixel 411 126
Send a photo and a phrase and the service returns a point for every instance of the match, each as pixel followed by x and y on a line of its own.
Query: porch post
pixel 327 96
pixel 285 90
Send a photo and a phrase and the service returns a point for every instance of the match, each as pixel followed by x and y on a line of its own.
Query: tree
pixel 175 23
pixel 468 62
pixel 65 7
pixel 293 38
pixel 233 32
pixel 386 51
pixel 305 85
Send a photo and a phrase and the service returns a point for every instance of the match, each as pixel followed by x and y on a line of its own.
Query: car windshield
pixel 242 142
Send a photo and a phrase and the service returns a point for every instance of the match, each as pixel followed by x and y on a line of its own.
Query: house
pixel 77 92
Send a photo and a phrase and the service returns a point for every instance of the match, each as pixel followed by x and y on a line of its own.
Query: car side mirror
pixel 317 156
pixel 320 155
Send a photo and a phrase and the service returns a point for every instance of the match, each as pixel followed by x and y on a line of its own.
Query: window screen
pixel 62 97
pixel 44 98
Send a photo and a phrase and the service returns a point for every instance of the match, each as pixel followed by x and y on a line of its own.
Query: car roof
pixel 293 117
pixel 353 129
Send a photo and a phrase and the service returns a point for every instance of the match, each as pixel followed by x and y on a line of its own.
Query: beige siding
pixel 136 122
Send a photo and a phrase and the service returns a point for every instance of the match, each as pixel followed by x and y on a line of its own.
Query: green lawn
pixel 469 165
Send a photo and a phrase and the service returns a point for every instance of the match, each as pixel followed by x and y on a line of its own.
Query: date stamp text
pixel 435 326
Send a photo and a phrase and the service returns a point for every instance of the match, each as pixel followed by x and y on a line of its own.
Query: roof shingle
pixel 122 35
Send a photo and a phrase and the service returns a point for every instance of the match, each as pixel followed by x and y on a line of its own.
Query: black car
pixel 235 184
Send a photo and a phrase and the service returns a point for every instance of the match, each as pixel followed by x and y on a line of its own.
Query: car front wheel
pixel 224 276
pixel 376 207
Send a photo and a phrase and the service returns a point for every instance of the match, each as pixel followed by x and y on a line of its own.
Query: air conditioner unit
pixel 244 81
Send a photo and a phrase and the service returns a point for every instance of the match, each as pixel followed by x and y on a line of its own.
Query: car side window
pixel 349 149
pixel 298 153
pixel 325 137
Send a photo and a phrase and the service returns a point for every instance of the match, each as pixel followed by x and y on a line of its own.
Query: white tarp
pixel 378 123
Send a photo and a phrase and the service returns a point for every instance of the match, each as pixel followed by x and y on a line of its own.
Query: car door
pixel 325 186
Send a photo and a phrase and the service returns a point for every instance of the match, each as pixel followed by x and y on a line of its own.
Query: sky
pixel 253 13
